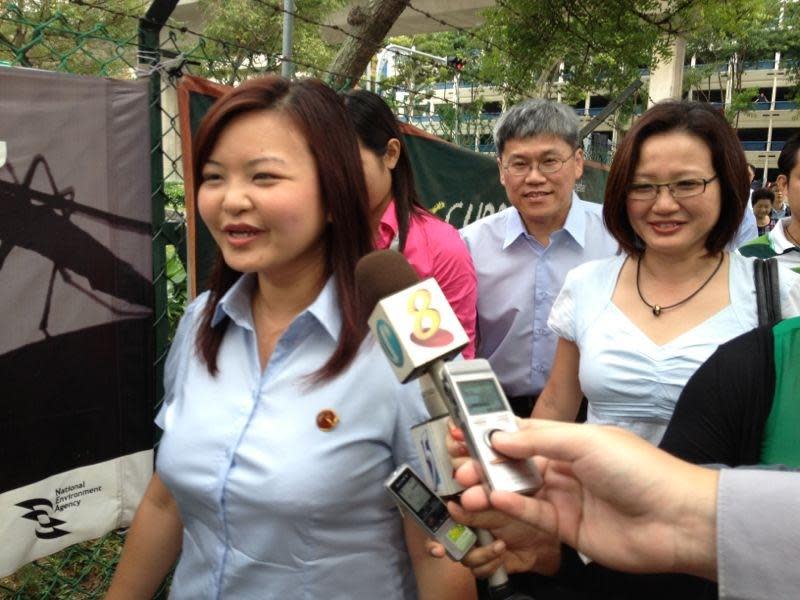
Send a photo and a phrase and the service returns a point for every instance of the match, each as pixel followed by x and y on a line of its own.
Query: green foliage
pixel 82 571
pixel 730 35
pixel 63 36
pixel 460 123
pixel 176 289
pixel 175 194
pixel 175 231
pixel 251 32
pixel 741 103
pixel 745 28
pixel 601 44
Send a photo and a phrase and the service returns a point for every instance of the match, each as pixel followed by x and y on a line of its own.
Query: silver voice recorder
pixel 480 408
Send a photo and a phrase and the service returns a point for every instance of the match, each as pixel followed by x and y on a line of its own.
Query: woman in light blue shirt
pixel 280 421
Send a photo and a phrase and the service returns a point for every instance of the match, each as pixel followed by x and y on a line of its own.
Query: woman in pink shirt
pixel 399 221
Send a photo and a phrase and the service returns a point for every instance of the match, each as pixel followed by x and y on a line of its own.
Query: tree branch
pixel 373 22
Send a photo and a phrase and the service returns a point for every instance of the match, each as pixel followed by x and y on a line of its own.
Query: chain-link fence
pixel 120 45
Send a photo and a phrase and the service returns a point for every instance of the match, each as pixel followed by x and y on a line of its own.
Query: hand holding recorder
pixel 610 495
pixel 418 331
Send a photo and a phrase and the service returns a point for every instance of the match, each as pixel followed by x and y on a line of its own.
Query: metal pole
pixel 457 132
pixel 405 50
pixel 149 55
pixel 287 67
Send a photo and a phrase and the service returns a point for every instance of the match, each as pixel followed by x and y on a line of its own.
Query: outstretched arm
pixel 616 498
pixel 151 546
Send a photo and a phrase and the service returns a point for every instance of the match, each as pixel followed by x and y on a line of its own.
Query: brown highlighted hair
pixel 319 114
pixel 730 166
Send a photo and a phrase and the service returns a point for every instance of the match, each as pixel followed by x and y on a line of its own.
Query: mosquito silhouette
pixel 40 221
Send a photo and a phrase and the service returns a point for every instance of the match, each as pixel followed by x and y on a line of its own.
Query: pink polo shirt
pixel 435 249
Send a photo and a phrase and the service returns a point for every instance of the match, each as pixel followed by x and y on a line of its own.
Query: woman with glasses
pixel 742 407
pixel 633 328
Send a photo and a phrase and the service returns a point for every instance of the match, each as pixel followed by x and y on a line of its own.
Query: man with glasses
pixel 523 253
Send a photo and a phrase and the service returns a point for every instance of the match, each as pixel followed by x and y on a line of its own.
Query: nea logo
pixel 40 510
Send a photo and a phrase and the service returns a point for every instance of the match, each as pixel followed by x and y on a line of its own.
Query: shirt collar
pixel 387 229
pixel 575 224
pixel 235 304
pixel 326 310
pixel 777 237
pixel 515 228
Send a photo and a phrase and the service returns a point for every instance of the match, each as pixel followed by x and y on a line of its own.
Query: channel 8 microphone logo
pixel 389 342
pixel 426 329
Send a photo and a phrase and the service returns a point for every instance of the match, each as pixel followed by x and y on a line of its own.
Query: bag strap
pixel 767 283
pixel 775 289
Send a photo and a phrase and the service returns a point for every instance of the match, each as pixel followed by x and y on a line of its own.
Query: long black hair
pixel 375 125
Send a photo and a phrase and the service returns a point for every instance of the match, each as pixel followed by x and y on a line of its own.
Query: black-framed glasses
pixel 520 168
pixel 685 188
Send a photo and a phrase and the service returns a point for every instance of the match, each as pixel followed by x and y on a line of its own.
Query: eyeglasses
pixel 520 168
pixel 685 188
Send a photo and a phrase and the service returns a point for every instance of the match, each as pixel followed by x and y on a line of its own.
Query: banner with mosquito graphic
pixel 77 397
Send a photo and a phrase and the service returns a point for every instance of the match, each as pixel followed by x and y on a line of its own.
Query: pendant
pixel 657 310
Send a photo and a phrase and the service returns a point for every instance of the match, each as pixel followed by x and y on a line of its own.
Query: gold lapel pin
pixel 327 420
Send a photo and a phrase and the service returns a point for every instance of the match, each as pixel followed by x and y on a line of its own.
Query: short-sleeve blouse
pixel 274 505
pixel 628 379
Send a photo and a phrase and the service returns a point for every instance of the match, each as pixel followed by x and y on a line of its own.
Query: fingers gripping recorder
pixel 480 408
pixel 418 331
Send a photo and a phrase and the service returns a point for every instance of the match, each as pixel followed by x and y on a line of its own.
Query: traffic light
pixel 455 62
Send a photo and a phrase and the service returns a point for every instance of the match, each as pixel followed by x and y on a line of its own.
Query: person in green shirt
pixel 783 241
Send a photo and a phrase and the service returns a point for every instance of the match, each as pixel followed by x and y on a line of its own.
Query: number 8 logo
pixel 426 319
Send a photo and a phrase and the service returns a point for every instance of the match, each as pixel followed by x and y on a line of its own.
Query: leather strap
pixel 768 299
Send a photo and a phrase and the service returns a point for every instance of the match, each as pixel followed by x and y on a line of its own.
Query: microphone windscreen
pixel 382 273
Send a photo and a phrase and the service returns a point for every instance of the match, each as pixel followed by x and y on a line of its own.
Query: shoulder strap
pixel 774 288
pixel 767 283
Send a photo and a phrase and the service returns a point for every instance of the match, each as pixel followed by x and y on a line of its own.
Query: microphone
pixel 418 330
pixel 411 319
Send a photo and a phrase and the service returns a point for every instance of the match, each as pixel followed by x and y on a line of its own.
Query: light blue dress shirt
pixel 272 506
pixel 757 510
pixel 518 281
